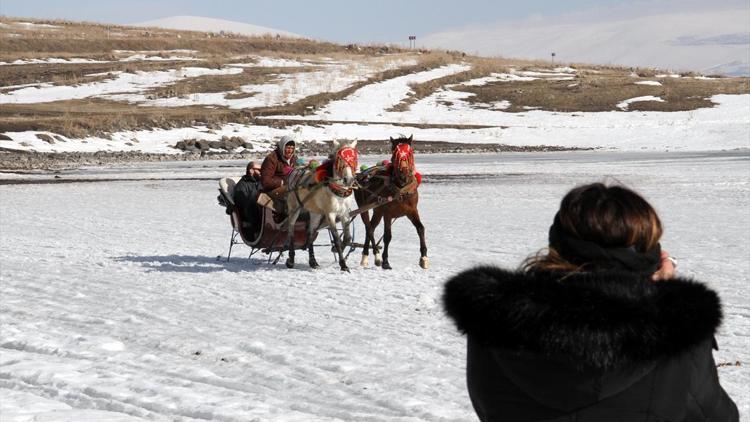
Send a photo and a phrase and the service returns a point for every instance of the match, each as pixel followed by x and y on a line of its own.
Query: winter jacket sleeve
pixel 268 177
pixel 707 400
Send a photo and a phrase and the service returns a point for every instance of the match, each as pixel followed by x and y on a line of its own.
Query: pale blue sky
pixel 341 20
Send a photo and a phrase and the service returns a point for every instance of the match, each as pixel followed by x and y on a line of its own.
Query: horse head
pixel 345 159
pixel 402 161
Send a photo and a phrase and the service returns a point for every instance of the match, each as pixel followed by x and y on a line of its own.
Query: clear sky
pixel 343 21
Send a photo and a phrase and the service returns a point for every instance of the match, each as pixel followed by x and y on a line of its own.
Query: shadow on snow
pixel 197 263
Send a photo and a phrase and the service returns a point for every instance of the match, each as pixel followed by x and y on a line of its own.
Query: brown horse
pixel 394 187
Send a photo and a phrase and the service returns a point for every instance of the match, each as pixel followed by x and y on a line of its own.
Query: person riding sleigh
pixel 275 168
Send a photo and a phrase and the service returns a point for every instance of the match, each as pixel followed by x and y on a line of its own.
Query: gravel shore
pixel 20 161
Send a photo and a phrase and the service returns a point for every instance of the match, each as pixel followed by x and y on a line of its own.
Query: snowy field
pixel 368 112
pixel 115 308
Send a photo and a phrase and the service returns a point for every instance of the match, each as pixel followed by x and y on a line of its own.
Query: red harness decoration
pixel 403 158
pixel 323 171
pixel 346 157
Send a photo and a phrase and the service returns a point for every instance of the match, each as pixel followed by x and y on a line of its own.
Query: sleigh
pixel 259 232
pixel 263 233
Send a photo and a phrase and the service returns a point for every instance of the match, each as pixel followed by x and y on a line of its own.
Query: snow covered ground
pixel 285 89
pixel 114 307
pixel 332 76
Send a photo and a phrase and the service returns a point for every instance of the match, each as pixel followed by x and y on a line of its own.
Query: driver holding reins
pixel 276 167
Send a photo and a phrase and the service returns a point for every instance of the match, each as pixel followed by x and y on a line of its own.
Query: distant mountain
pixel 196 23
pixel 715 41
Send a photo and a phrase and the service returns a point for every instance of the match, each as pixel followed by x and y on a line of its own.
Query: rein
pixel 397 194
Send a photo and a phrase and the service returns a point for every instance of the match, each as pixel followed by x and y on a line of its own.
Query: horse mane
pixel 401 139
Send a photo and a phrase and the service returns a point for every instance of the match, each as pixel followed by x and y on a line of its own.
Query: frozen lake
pixel 114 306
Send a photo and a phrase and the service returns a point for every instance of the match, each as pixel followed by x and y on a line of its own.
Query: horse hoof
pixel 424 262
pixel 289 263
pixel 387 266
pixel 365 262
pixel 345 269
pixel 378 260
pixel 314 265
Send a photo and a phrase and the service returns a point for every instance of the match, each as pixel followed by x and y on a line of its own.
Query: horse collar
pixel 339 190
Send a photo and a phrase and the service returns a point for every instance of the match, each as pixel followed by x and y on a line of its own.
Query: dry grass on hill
pixel 96 40
pixel 82 118
pixel 594 88
pixel 602 91
pixel 74 73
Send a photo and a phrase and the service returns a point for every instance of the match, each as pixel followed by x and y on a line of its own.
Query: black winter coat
pixel 245 196
pixel 599 347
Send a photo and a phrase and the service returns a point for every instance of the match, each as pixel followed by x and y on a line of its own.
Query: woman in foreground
pixel 597 328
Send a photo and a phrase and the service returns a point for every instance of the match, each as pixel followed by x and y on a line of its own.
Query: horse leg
pixel 346 226
pixel 337 241
pixel 424 262
pixel 376 216
pixel 292 219
pixel 345 223
pixel 387 223
pixel 365 216
pixel 312 225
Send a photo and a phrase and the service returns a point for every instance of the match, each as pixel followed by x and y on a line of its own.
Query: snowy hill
pixel 717 40
pixel 197 23
pixel 199 94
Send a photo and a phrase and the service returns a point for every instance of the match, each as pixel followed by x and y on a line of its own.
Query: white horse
pixel 324 192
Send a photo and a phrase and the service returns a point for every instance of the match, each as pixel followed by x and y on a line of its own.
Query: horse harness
pixel 398 194
pixel 336 188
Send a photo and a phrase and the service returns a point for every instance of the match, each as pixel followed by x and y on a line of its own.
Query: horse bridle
pixel 403 157
pixel 345 157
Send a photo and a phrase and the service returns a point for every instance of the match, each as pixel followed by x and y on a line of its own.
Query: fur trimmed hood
pixel 601 320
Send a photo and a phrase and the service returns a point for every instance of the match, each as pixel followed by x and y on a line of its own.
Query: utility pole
pixel 412 41
pixel 553 57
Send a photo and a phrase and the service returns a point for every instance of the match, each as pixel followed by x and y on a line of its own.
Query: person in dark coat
pixel 245 195
pixel 596 328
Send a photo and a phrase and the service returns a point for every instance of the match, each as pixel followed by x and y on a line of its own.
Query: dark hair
pixel 607 216
pixel 252 165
